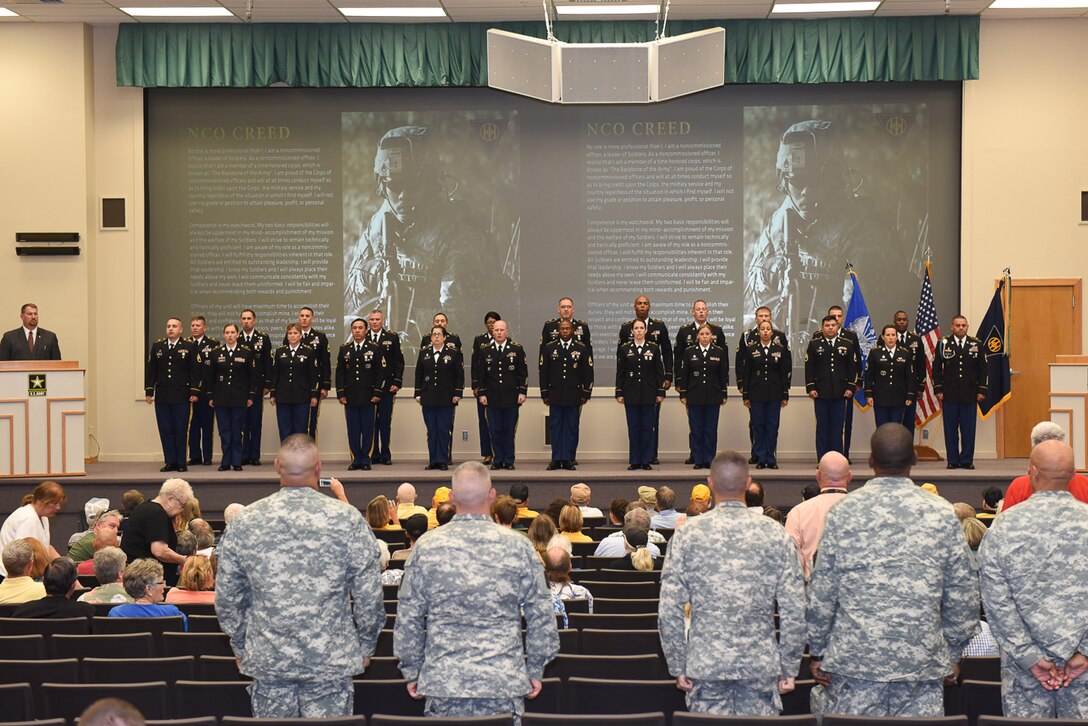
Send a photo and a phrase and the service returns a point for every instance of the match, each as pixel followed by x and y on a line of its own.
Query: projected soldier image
pixel 828 213
pixel 426 248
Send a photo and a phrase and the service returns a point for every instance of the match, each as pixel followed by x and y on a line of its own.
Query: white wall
pixel 68 136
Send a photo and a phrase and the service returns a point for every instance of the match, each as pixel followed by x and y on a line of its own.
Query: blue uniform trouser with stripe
pixel 251 430
pixel 200 432
pixel 485 430
pixel 563 427
pixel 503 423
pixel 383 420
pixel 230 420
pixel 292 418
pixel 439 423
pixel 959 432
pixel 360 431
pixel 173 421
pixel 703 428
pixel 640 432
pixel 830 418
pixel 765 417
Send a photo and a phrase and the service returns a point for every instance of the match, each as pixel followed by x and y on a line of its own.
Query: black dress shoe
pixel 689 460
pixel 510 466
pixel 363 467
pixel 952 466
pixel 633 467
pixel 574 462
pixel 647 467
pixel 224 467
pixel 697 466
pixel 553 465
pixel 753 460
pixel 237 468
pixel 761 465
pixel 254 462
pixel 444 467
pixel 967 466
pixel 193 462
pixel 431 466
pixel 386 462
pixel 487 460
pixel 181 468
pixel 352 466
pixel 207 463
pixel 654 461
pixel 772 466
pixel 569 465
pixel 497 467
pixel 168 467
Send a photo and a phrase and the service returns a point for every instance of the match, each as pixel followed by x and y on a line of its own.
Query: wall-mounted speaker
pixel 46 243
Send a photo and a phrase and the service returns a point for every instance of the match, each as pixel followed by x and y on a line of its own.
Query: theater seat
pixel 130 645
pixel 709 719
pixel 504 720
pixel 68 700
pixel 620 642
pixel 832 719
pixel 211 698
pixel 549 700
pixel 331 721
pixel 17 702
pixel 22 647
pixel 626 719
pixel 125 670
pixel 624 667
pixel 608 696
pixel 389 697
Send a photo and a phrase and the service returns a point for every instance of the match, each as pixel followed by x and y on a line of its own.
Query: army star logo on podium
pixel 35 384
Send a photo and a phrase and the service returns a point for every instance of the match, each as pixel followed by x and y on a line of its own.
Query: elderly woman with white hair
pixel 150 529
pixel 109 563
pixel 143 581
pixel 1020 488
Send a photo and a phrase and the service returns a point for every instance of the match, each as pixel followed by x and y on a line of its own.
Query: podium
pixel 42 418
pixel 1069 402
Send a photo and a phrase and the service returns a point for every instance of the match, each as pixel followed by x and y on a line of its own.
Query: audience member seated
pixel 616 510
pixel 196 583
pixel 84 548
pixel 647 498
pixel 612 545
pixel 111 712
pixel 406 502
pixel 103 538
pixel 695 508
pixel 541 532
pixel 60 582
pixel 145 583
pixel 555 508
pixel 983 644
pixel 414 527
pixel 19 586
pixel 964 511
pixel 774 513
pixel 570 524
pixel 381 514
pixel 665 504
pixel 109 563
pixel 638 555
pixel 1020 488
pixel 520 494
pixel 701 493
pixel 186 546
pixel 205 537
pixel 441 496
pixel 389 577
pixel 233 510
pixel 189 511
pixel 812 489
pixel 557 570
pixel 753 496
pixel 41 558
pixel 92 510
pixel 504 511
pixel 974 530
pixel 991 505
pixel 444 513
pixel 129 501
pixel 579 497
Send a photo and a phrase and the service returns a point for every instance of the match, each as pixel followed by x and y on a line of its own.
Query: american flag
pixel 927 328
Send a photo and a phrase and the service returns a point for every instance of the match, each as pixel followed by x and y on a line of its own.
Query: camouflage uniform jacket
pixel 1035 578
pixel 286 602
pixel 458 631
pixel 732 565
pixel 892 598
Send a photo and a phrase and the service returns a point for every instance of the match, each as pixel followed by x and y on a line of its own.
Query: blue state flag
pixel 992 333
pixel 857 319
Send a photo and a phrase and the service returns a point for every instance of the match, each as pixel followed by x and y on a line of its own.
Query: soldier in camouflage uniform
pixel 732 566
pixel 458 633
pixel 892 601
pixel 1034 572
pixel 303 613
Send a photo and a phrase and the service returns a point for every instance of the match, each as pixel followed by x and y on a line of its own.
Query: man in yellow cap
pixel 441 496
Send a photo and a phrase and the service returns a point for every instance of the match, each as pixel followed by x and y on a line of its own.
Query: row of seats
pixel 116 645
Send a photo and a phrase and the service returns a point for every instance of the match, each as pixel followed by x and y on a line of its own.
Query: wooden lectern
pixel 42 418
pixel 1069 402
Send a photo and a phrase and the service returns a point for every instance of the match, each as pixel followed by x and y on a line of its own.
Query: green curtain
pixel 357 55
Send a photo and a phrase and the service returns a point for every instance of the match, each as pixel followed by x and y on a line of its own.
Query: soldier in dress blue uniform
pixel 685 338
pixel 504 379
pixel 848 420
pixel 566 383
pixel 749 336
pixel 261 346
pixel 581 334
pixel 640 387
pixel 658 334
pixel 764 371
pixel 702 379
pixel 910 339
pixel 171 382
pixel 319 342
pixel 831 377
pixel 453 340
pixel 890 378
pixel 440 381
pixel 231 384
pixel 294 384
pixel 389 342
pixel 959 380
pixel 202 423
pixel 361 379
pixel 479 343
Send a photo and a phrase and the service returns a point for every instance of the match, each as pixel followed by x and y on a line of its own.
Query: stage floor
pixel 608 480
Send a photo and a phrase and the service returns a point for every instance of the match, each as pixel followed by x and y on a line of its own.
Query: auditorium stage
pixel 608 480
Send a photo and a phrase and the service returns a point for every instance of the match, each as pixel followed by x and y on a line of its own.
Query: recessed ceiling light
pixel 836 7
pixel 189 12
pixel 5 13
pixel 406 12
pixel 1038 4
pixel 601 9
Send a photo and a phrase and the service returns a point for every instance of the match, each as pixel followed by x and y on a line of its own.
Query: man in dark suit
pixel 658 334
pixel 389 342
pixel 29 342
pixel 320 343
pixel 202 422
pixel 60 582
pixel 503 387
pixel 959 380
pixel 171 382
pixel 831 377
pixel 261 346
pixel 913 341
